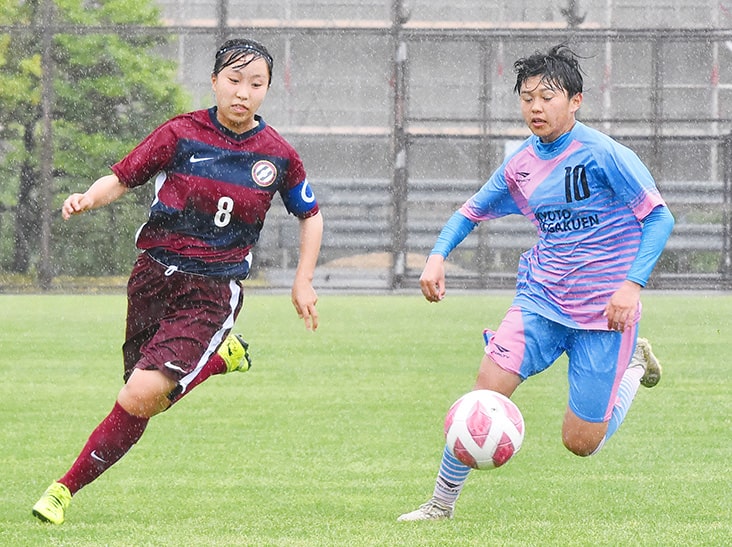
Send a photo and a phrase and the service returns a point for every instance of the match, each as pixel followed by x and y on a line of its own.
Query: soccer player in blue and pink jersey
pixel 602 225
pixel 215 172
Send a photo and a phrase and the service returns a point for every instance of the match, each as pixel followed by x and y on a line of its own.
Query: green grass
pixel 332 435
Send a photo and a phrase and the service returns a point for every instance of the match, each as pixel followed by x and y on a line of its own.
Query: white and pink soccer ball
pixel 484 429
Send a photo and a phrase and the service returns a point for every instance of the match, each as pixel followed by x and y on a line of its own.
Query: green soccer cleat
pixel 643 356
pixel 53 504
pixel 432 510
pixel 235 353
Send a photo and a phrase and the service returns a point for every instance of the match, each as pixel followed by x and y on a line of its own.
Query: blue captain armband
pixel 453 232
pixel 300 199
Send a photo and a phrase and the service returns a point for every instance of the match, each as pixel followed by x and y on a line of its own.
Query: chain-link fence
pixel 400 115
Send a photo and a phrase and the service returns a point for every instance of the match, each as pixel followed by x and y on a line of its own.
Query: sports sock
pixel 450 479
pixel 215 365
pixel 627 389
pixel 111 440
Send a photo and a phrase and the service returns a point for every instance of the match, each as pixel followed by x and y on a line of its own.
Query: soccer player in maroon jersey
pixel 216 172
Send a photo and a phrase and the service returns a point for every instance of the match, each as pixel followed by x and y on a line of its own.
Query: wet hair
pixel 239 52
pixel 559 69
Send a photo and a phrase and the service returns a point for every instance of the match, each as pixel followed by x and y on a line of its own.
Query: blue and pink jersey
pixel 587 195
pixel 213 189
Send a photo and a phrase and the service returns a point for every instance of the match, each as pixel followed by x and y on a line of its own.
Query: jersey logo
pixel 194 159
pixel 264 173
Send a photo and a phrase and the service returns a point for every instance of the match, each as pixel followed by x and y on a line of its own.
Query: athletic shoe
pixel 643 357
pixel 432 510
pixel 653 368
pixel 235 353
pixel 53 504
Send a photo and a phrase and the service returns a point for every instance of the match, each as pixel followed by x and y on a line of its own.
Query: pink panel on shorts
pixel 509 354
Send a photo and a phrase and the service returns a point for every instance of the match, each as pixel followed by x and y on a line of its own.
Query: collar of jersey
pixel 548 150
pixel 229 133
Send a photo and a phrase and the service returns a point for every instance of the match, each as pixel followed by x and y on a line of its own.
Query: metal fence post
pixel 399 187
pixel 726 259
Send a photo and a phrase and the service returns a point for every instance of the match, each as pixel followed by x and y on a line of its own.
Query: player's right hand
pixel 74 204
pixel 432 280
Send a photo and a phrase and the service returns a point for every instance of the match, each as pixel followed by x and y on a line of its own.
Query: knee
pixel 585 443
pixel 145 395
pixel 581 437
pixel 578 446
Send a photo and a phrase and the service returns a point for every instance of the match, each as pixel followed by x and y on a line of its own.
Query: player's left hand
pixel 304 299
pixel 622 307
pixel 432 280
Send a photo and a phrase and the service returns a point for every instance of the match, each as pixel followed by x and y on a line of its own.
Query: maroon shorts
pixel 176 321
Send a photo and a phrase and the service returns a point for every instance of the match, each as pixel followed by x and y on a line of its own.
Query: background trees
pixel 109 89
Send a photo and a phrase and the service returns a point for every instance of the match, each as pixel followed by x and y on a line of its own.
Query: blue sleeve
pixel 656 229
pixel 453 232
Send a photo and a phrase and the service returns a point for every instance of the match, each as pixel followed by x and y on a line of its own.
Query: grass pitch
pixel 333 434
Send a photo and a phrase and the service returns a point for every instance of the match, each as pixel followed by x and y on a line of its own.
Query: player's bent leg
pixel 580 436
pixel 643 369
pixel 232 356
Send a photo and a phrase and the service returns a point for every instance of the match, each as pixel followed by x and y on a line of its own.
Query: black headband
pixel 247 48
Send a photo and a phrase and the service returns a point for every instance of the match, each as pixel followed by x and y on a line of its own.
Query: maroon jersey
pixel 213 189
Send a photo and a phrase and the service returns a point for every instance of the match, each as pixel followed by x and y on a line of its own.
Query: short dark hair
pixel 559 68
pixel 233 51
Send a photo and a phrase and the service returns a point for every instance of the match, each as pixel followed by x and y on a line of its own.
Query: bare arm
pixel 104 191
pixel 304 297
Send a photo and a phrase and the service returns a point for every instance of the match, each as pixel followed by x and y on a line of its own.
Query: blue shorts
pixel 527 343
